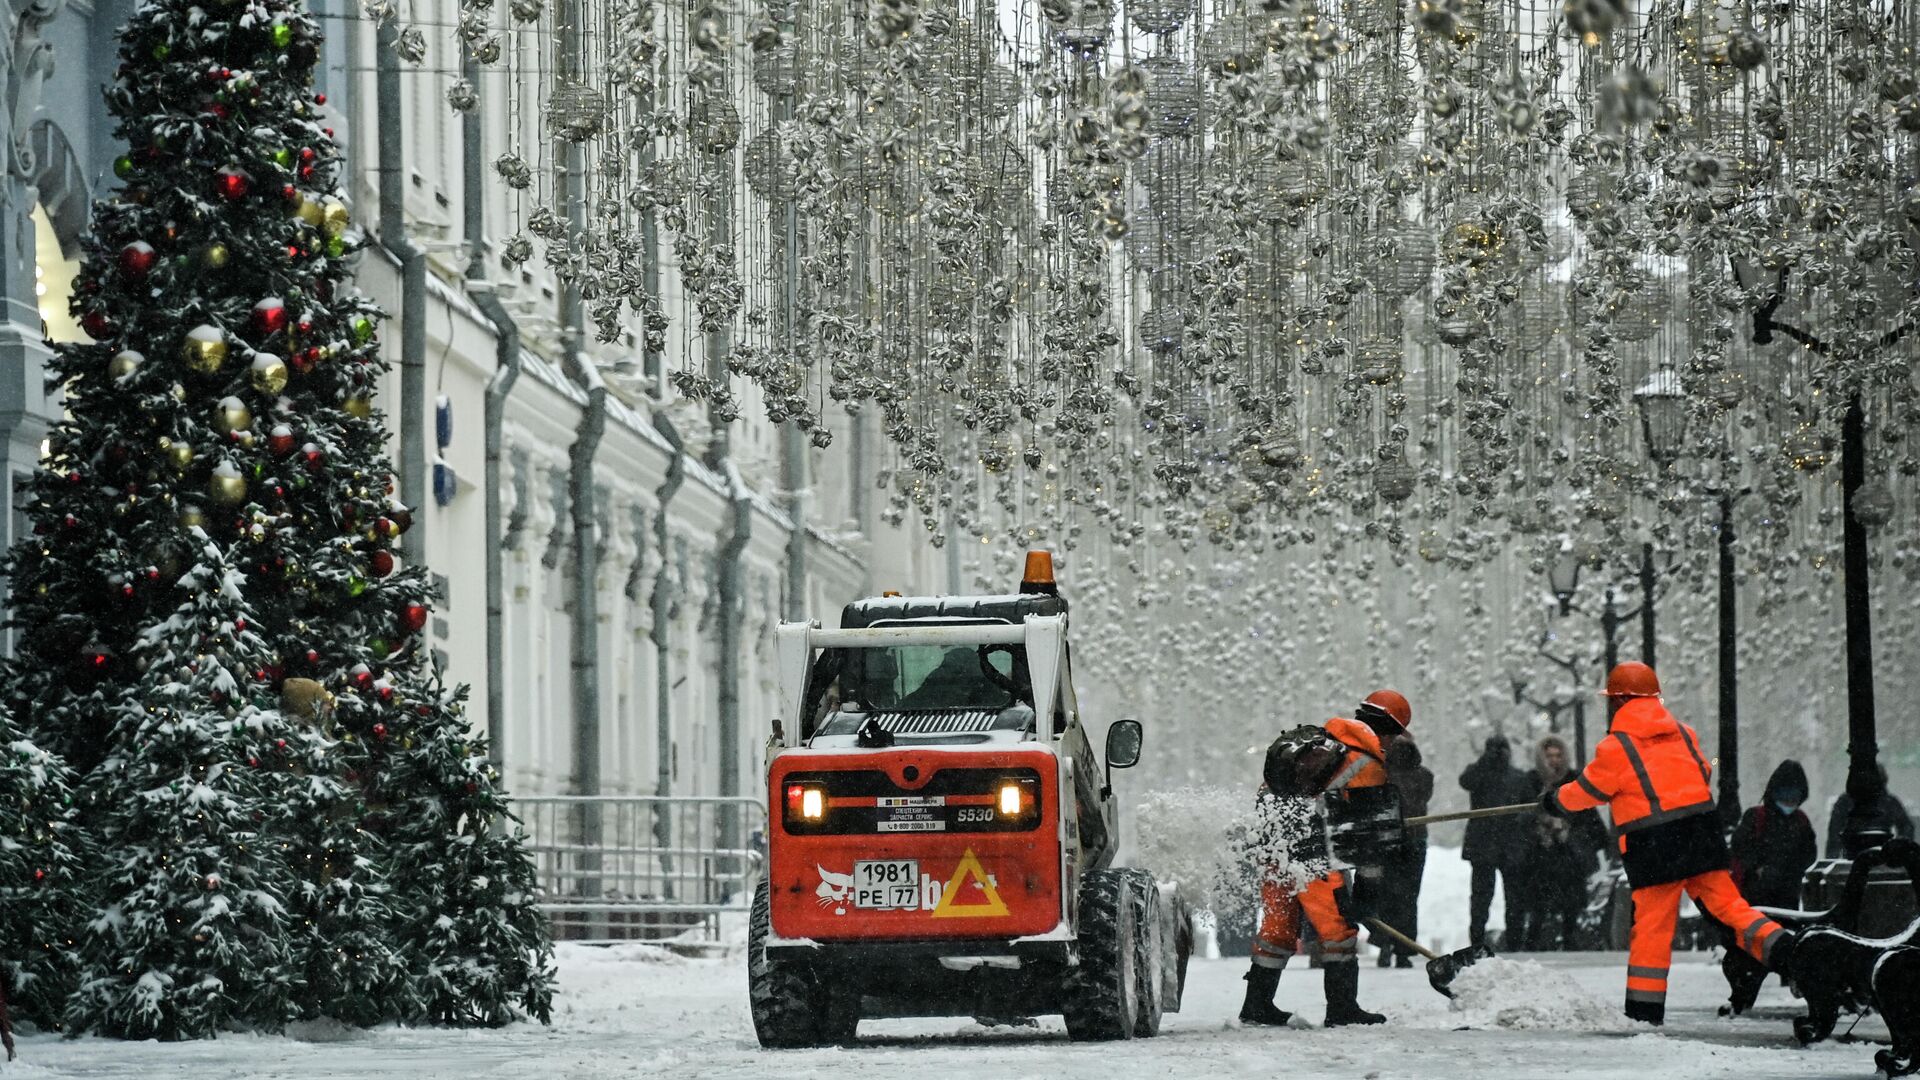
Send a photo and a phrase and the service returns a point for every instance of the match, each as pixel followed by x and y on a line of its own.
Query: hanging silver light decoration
pixel 1174 96
pixel 1394 481
pixel 1159 16
pixel 575 111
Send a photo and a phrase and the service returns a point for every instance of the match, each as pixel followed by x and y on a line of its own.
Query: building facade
pixel 611 562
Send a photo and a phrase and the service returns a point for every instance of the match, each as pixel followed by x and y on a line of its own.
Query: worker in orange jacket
pixel 1325 898
pixel 1651 776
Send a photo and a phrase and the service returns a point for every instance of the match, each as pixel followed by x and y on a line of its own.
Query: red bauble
pixel 319 99
pixel 232 184
pixel 270 316
pixel 413 618
pixel 96 324
pixel 362 675
pixel 136 260
pixel 280 441
pixel 401 516
pixel 307 153
pixel 379 731
pixel 315 457
pixel 305 325
pixel 380 563
pixel 313 656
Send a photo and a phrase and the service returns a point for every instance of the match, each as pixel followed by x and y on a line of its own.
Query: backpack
pixel 1302 761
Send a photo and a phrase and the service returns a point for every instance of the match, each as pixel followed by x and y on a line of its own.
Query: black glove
pixel 1550 802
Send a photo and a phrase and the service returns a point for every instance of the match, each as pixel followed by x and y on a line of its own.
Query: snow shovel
pixel 1441 970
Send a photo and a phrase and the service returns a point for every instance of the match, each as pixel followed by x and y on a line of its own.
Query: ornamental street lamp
pixel 1663 416
pixel 1563 574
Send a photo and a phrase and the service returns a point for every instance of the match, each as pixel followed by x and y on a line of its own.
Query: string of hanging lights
pixel 1303 295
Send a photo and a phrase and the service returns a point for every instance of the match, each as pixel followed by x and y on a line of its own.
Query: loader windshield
pixel 848 683
pixel 936 677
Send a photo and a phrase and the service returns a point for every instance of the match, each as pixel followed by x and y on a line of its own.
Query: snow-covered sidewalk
pixel 638 1012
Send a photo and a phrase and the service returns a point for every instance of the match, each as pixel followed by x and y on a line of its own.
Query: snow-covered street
pixel 636 1011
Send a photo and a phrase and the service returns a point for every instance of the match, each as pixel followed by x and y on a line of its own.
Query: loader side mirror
pixel 1123 744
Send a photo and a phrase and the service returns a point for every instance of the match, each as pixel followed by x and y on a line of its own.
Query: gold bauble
pixel 124 363
pixel 268 374
pixel 191 517
pixel 335 217
pixel 181 454
pixel 227 486
pixel 233 416
pixel 309 211
pixel 214 255
pixel 204 350
pixel 178 392
pixel 359 406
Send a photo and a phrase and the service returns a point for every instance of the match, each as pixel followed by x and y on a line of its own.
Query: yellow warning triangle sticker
pixel 969 868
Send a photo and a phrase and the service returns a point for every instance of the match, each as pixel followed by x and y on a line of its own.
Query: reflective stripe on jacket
pixel 1366 764
pixel 1647 772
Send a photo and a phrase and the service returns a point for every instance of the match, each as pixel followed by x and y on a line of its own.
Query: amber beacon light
pixel 1039 575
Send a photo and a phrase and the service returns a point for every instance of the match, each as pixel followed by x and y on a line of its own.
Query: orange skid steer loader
pixel 942 836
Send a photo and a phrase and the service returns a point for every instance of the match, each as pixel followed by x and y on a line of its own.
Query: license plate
pixel 886 884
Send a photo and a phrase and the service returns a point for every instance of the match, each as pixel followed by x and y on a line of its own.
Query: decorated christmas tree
pixel 192 930
pixel 41 887
pixel 227 391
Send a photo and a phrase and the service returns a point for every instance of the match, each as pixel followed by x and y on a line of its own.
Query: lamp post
pixel 1865 788
pixel 1663 425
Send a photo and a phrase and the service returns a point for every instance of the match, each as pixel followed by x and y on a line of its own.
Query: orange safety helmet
pixel 1393 703
pixel 1632 679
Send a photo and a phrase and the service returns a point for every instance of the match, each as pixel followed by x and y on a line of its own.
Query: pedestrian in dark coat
pixel 1772 848
pixel 1560 856
pixel 1887 815
pixel 1495 846
pixel 1400 884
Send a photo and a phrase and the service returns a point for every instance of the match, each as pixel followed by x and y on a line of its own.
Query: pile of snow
pixel 1524 995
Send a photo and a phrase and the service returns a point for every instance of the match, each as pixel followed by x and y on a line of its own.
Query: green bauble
pixel 379 646
pixel 123 166
pixel 162 51
pixel 336 246
pixel 282 35
pixel 283 157
pixel 356 586
pixel 362 330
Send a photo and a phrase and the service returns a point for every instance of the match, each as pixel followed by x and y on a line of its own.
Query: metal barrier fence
pixel 641 868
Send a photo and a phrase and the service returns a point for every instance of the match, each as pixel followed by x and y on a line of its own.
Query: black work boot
pixel 1647 1012
pixel 1259 1008
pixel 1343 992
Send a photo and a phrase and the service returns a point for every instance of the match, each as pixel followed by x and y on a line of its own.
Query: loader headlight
pixel 1016 798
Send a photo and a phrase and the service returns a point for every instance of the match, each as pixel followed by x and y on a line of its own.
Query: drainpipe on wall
pixel 586 572
pixel 662 604
pixel 506 373
pixel 731 570
pixel 390 147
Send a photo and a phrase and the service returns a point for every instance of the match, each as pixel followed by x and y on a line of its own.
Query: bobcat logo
pixel 835 889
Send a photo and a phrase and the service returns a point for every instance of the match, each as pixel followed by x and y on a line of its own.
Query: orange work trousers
pixel 1656 913
pixel 1281 909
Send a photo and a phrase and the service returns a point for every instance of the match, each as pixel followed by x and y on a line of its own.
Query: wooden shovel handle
pixel 1469 815
pixel 1377 925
